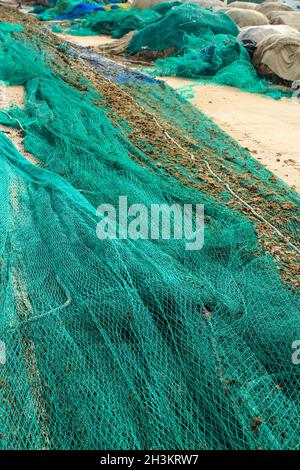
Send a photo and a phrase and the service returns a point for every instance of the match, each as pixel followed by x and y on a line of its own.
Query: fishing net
pixel 60 7
pixel 167 23
pixel 220 59
pixel 120 344
pixel 115 23
pixel 172 28
pixel 194 42
pixel 205 48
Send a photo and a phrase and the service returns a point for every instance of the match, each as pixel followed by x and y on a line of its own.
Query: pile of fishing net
pixel 219 57
pixel 121 344
pixel 165 25
pixel 243 17
pixel 226 61
pixel 178 22
pixel 117 23
pixel 199 44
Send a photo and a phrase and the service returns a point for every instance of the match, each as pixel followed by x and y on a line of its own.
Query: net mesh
pixel 118 344
pixel 177 23
pixel 116 23
pixel 184 40
pixel 70 9
pixel 220 59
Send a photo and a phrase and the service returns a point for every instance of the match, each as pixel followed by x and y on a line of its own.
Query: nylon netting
pixel 194 42
pixel 121 344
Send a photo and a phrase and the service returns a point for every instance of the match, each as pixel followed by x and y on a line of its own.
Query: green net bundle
pixel 115 23
pixel 122 344
pixel 179 21
pixel 70 9
pixel 160 27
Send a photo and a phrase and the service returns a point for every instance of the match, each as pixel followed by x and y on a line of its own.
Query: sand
pixel 268 128
pixel 86 41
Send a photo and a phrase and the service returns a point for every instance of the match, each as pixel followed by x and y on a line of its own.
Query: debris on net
pixel 117 344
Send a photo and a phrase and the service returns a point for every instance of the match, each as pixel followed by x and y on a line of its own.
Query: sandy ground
pixel 268 128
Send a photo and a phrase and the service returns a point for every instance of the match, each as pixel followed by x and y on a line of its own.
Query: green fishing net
pixel 157 28
pixel 116 23
pixel 120 344
pixel 217 58
pixel 67 9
